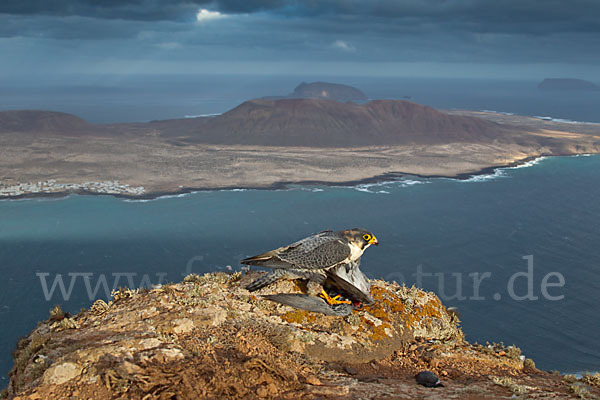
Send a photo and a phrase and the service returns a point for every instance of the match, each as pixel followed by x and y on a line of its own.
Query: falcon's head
pixel 360 237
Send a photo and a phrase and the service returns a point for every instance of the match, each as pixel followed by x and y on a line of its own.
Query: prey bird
pixel 328 258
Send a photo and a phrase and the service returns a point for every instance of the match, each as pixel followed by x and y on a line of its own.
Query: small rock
pixel 149 343
pixel 61 373
pixel 313 380
pixel 131 368
pixel 428 379
pixel 183 325
pixel 350 370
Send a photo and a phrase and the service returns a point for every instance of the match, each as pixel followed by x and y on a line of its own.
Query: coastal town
pixel 51 186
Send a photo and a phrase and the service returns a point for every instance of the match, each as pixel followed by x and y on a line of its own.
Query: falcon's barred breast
pixel 313 256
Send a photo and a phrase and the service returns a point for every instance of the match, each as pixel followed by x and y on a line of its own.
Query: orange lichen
pixel 379 332
pixel 299 316
pixel 389 306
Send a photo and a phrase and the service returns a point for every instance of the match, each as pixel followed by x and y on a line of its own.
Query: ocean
pixel 516 251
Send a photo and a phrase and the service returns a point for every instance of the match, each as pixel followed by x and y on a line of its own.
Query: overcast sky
pixel 461 38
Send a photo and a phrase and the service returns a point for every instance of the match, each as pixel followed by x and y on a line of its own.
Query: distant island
pixel 567 84
pixel 324 90
pixel 270 143
pixel 331 91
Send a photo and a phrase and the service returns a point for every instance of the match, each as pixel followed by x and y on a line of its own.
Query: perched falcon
pixel 316 258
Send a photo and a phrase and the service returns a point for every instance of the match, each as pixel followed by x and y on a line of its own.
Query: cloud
pixel 307 31
pixel 169 45
pixel 343 46
pixel 204 15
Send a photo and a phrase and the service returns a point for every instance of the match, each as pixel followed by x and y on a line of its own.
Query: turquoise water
pixel 486 225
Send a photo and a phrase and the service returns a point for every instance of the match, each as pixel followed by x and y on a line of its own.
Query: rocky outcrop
pixel 209 337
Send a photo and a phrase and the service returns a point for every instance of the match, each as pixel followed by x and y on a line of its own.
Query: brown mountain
pixel 45 123
pixel 284 122
pixel 326 123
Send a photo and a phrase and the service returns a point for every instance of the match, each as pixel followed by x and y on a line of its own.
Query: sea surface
pixel 529 235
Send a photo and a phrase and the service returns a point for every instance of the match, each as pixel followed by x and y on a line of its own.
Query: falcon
pixel 327 256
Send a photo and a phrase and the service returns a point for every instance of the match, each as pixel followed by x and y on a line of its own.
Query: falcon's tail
pixel 266 260
pixel 265 280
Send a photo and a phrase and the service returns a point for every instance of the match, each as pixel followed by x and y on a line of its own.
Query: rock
pixel 184 325
pixel 351 370
pixel 61 373
pixel 313 380
pixel 209 338
pixel 428 379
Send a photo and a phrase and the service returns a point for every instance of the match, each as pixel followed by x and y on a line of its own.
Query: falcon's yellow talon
pixel 332 300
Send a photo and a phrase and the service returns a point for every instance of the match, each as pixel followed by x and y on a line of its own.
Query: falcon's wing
pixel 310 303
pixel 321 253
pixel 351 281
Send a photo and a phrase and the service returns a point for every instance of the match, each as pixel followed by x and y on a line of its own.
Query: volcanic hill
pixel 326 123
pixel 45 123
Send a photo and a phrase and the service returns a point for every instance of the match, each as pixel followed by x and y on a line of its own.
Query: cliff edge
pixel 209 337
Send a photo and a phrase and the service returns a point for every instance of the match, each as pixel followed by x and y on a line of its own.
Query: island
pixel 331 91
pixel 324 90
pixel 567 84
pixel 208 337
pixel 270 143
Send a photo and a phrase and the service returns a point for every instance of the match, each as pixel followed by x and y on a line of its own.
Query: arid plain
pixel 148 155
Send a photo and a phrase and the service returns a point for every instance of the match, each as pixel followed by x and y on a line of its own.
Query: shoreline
pixel 391 176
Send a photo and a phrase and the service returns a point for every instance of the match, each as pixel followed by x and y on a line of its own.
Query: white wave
pixel 172 196
pixel 562 120
pixel 408 182
pixel 372 187
pixel 527 164
pixel 166 196
pixel 484 177
pixel 202 115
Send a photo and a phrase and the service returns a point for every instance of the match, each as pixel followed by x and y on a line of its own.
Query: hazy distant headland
pixel 567 84
pixel 267 143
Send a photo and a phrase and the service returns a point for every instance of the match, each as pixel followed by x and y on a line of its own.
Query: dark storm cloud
pixel 143 10
pixel 529 16
pixel 167 32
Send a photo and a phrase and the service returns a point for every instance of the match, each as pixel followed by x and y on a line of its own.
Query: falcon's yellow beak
pixel 374 241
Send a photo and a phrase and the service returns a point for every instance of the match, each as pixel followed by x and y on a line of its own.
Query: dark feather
pixel 310 303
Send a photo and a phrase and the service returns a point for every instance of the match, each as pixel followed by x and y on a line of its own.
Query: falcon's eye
pixel 367 237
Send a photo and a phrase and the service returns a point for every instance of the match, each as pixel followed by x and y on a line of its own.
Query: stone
pixel 61 373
